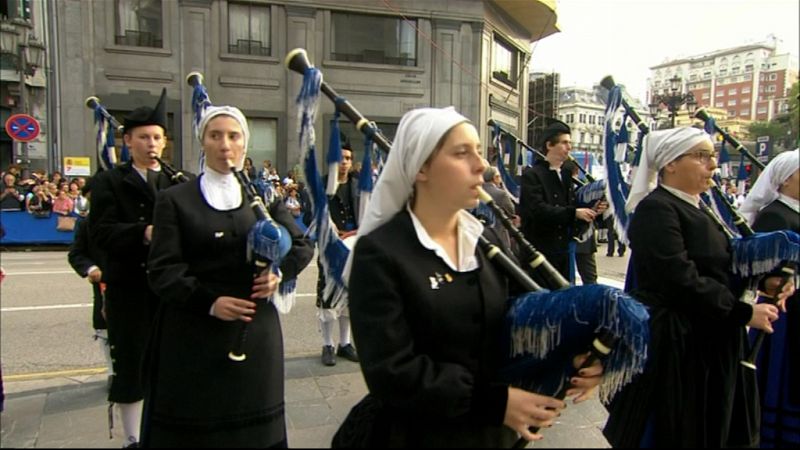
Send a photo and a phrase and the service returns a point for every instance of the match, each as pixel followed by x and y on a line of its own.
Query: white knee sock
pixel 327 332
pixel 344 330
pixel 131 420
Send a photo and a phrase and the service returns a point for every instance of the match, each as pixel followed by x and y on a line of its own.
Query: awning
pixel 538 17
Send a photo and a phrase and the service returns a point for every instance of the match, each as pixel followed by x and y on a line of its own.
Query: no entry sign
pixel 22 127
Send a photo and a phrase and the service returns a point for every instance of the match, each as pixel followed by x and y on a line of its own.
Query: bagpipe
pixel 544 329
pixel 106 156
pixel 753 254
pixel 268 242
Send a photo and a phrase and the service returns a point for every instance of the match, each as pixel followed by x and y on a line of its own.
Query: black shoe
pixel 328 358
pixel 347 352
pixel 131 445
pixel 608 255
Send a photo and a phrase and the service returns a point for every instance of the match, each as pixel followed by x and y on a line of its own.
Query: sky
pixel 624 38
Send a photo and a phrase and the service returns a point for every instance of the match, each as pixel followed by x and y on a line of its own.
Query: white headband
pixel 765 190
pixel 417 135
pixel 214 111
pixel 660 148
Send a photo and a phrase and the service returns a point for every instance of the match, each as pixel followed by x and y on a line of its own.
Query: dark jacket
pixel 693 390
pixel 196 396
pixel 122 207
pixel 428 341
pixel 547 209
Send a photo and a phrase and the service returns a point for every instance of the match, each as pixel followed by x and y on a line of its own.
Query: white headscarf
pixel 221 190
pixel 417 135
pixel 232 111
pixel 660 148
pixel 765 190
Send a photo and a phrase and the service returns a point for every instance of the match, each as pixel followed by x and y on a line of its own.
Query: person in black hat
pixel 549 216
pixel 343 207
pixel 120 222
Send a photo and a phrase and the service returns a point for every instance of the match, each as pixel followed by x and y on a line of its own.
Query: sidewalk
pixel 72 412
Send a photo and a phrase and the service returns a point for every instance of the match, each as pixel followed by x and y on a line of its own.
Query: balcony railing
pixel 139 39
pixel 249 47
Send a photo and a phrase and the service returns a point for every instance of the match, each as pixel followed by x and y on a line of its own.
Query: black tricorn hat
pixel 145 115
pixel 344 142
pixel 554 127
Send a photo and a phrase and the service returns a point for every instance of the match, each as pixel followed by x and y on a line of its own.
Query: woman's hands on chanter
pixel 232 308
pixel 525 409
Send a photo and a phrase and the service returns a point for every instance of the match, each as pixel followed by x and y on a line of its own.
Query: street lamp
pixel 673 100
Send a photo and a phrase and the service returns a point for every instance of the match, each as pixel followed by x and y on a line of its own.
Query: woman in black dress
pixel 197 396
pixel 428 307
pixel 694 392
pixel 774 204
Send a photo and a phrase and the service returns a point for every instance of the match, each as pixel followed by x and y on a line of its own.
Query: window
pixel 744 112
pixel 373 39
pixel 591 120
pixel 731 113
pixel 723 72
pixel 732 91
pixel 720 93
pixel 263 141
pixel 249 29
pixel 735 70
pixel 706 75
pixel 581 119
pixel 746 100
pixel 771 88
pixel 746 90
pixel 504 62
pixel 748 68
pixel 583 137
pixel 762 109
pixel 138 23
pixel 731 102
pixel 706 95
pixel 720 104
pixel 773 76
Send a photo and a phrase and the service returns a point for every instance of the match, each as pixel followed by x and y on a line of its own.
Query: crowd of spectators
pixel 41 194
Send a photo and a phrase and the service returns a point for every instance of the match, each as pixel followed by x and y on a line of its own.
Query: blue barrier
pixel 22 228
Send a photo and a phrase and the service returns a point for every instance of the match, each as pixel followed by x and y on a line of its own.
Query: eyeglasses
pixel 702 156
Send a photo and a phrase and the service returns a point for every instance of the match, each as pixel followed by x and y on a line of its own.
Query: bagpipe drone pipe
pixel 267 241
pixel 753 254
pixel 106 156
pixel 540 324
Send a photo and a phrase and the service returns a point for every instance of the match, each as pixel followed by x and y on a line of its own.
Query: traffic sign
pixel 22 127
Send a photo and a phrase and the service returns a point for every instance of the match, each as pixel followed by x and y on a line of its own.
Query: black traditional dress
pixel 197 396
pixel 428 340
pixel 694 392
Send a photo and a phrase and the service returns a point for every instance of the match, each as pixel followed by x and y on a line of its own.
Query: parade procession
pixel 375 223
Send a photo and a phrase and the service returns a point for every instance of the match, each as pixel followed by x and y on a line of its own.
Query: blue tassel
pixel 762 252
pixel 617 190
pixel 590 192
pixel 509 182
pixel 332 251
pixel 572 262
pixel 200 102
pixel 547 329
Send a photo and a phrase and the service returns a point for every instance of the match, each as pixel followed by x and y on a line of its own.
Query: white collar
pixel 221 190
pixel 792 203
pixel 143 172
pixel 693 200
pixel 469 229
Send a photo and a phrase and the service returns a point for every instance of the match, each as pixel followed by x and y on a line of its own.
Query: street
pixel 46 315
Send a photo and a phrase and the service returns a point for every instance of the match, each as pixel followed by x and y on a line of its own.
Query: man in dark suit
pixel 120 223
pixel 550 218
